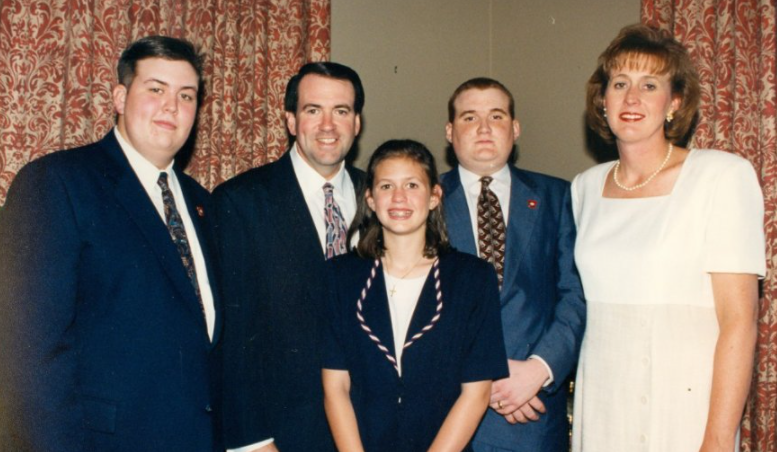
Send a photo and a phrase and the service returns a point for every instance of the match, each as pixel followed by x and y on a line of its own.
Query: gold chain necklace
pixel 646 181
pixel 396 281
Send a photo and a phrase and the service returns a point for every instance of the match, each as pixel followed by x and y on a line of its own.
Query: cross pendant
pixel 393 291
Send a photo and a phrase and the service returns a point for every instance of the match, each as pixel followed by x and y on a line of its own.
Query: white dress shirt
pixel 501 188
pixel 148 174
pixel 312 183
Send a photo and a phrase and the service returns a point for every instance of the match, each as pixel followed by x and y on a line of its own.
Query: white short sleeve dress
pixel 645 370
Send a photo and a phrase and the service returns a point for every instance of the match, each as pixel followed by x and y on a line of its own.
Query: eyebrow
pixel 498 110
pixel 346 106
pixel 164 83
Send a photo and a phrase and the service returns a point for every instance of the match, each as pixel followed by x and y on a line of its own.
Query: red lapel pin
pixel 200 211
pixel 532 204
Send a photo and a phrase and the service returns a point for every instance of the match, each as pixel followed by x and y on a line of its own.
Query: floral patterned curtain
pixel 58 66
pixel 733 45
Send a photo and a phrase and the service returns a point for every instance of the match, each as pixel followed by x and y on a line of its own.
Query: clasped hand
pixel 515 397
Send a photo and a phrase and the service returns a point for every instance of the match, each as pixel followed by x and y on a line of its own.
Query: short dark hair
pixel 165 47
pixel 639 46
pixel 480 83
pixel 366 222
pixel 327 69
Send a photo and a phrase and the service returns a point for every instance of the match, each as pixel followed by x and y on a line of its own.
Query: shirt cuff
pixel 549 381
pixel 254 446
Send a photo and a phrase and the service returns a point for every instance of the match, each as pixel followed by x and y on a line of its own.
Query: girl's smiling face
pixel 401 196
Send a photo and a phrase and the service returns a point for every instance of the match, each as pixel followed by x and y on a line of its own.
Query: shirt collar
pixel 471 181
pixel 310 181
pixel 147 172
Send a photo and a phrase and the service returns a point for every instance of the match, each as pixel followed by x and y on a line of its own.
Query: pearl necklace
pixel 646 181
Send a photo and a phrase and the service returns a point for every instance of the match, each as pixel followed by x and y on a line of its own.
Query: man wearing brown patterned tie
pixel 277 225
pixel 522 223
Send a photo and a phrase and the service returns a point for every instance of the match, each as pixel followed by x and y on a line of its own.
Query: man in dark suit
pixel 521 222
pixel 105 284
pixel 277 225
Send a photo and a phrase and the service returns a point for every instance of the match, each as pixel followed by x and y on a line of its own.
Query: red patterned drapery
pixel 58 65
pixel 732 43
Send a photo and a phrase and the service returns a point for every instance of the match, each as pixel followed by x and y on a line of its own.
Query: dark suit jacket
pixel 543 309
pixel 405 414
pixel 273 290
pixel 104 344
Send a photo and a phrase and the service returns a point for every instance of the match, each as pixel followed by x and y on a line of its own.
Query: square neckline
pixel 677 182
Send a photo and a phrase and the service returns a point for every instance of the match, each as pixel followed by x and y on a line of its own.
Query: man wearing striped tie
pixel 277 225
pixel 522 223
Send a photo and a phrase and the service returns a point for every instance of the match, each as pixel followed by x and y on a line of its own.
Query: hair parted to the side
pixel 326 69
pixel 164 47
pixel 643 47
pixel 366 222
pixel 480 83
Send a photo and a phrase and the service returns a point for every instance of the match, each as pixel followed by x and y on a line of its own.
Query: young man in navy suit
pixel 277 225
pixel 106 287
pixel 522 222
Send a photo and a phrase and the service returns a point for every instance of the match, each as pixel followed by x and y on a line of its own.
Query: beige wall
pixel 411 54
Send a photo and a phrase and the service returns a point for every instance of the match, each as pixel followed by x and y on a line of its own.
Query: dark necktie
pixel 178 233
pixel 335 224
pixel 491 228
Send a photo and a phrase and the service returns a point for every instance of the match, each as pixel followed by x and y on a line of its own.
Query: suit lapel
pixel 424 310
pixel 457 214
pixel 129 193
pixel 525 206
pixel 376 311
pixel 291 215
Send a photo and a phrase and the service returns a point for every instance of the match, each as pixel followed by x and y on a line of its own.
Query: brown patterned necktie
pixel 491 228
pixel 178 233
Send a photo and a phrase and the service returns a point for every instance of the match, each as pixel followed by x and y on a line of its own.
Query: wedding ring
pixel 499 404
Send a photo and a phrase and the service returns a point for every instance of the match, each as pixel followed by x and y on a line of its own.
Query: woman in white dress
pixel 670 246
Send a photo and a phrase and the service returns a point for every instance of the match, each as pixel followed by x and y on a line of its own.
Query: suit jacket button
pixel 208 408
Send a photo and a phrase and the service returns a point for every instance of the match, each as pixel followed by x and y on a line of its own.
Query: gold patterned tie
pixel 491 228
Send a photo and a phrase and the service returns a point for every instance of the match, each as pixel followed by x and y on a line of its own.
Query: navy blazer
pixel 543 309
pixel 272 273
pixel 104 343
pixel 465 345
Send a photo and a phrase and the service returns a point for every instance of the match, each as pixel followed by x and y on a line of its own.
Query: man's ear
pixel 449 132
pixel 119 98
pixel 291 123
pixel 516 128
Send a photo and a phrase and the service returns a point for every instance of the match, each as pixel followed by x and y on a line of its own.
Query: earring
pixel 670 116
pixel 604 111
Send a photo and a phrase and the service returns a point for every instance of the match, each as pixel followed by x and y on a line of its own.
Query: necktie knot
pixel 162 181
pixel 328 188
pixel 485 181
